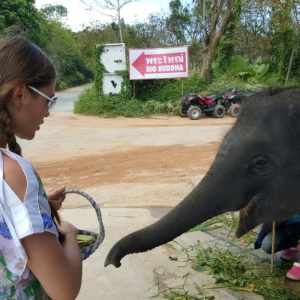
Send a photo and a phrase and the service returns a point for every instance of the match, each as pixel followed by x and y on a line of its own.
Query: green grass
pixel 235 265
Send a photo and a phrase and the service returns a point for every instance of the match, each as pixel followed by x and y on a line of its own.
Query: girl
pixel 34 264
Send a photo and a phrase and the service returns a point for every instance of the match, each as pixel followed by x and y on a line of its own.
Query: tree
pixel 225 51
pixel 111 5
pixel 284 25
pixel 87 39
pixel 200 24
pixel 296 27
pixel 251 33
pixel 184 26
pixel 60 44
pixel 23 15
pixel 214 24
pixel 183 23
pixel 54 12
pixel 153 33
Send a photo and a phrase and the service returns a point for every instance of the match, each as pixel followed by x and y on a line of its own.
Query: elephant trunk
pixel 204 202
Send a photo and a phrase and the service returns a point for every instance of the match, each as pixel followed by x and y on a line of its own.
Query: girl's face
pixel 28 109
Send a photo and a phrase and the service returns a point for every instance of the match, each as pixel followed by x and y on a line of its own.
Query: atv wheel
pixel 194 113
pixel 235 110
pixel 182 111
pixel 219 111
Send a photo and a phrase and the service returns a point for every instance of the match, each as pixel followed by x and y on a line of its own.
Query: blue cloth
pixel 293 219
pixel 266 228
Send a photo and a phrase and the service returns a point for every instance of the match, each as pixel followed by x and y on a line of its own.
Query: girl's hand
pixel 55 197
pixel 68 229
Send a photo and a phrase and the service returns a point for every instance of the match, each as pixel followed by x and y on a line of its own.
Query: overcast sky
pixel 135 11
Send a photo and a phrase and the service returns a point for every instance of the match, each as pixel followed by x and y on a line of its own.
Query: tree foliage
pixel 54 12
pixel 183 23
pixel 110 8
pixel 184 26
pixel 60 44
pixel 225 50
pixel 214 25
pixel 22 15
pixel 216 31
pixel 284 40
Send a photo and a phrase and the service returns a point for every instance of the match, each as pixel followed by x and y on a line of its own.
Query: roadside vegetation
pixel 163 101
pixel 232 44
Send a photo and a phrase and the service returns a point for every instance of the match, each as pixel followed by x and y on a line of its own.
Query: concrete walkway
pixel 144 275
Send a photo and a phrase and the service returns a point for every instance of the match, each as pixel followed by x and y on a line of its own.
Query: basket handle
pixel 101 234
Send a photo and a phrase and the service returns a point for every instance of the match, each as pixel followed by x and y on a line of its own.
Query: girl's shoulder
pixel 19 163
pixel 14 176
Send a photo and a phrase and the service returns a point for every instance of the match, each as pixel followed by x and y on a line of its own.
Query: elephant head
pixel 256 172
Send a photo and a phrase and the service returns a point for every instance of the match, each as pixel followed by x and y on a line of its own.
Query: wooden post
pixel 273 245
pixel 134 89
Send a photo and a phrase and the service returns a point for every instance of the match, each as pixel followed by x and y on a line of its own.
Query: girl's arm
pixel 57 266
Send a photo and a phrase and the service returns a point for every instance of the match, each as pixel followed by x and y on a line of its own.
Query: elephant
pixel 256 172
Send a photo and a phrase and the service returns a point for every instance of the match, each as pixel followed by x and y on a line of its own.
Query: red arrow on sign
pixel 140 63
pixel 160 63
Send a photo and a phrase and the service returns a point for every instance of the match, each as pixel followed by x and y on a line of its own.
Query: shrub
pixel 91 103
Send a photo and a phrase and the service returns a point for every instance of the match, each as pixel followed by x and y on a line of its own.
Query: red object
pixel 201 98
pixel 160 63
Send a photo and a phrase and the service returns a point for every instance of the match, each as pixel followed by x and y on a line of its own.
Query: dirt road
pixel 126 162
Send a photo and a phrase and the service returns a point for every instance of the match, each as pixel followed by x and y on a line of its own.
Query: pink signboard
pixel 158 63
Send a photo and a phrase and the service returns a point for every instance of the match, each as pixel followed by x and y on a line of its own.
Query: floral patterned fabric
pixel 17 220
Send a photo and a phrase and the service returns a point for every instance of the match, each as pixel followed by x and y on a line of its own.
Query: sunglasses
pixel 52 101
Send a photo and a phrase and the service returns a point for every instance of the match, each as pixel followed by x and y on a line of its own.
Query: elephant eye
pixel 261 165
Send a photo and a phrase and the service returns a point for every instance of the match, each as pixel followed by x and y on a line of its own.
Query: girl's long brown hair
pixel 21 62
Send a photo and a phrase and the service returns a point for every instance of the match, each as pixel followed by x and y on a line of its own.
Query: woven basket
pixel 90 247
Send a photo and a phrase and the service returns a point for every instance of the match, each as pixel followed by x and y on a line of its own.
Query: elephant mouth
pixel 252 214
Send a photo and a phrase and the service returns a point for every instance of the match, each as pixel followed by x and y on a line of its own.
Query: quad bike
pixel 232 101
pixel 193 105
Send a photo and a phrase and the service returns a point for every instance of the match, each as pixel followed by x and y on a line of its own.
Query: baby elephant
pixel 256 172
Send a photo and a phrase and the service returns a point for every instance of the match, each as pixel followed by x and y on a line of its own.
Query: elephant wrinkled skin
pixel 256 172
